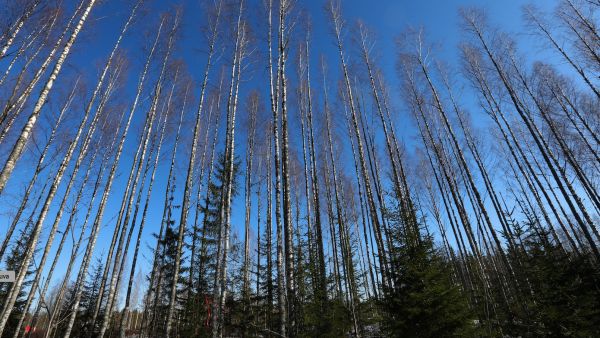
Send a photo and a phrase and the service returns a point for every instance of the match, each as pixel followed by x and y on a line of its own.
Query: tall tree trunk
pixel 535 21
pixel 585 223
pixel 320 289
pixel 252 111
pixel 81 156
pixel 124 245
pixel 220 289
pixel 333 9
pixel 190 169
pixel 269 233
pixel 38 169
pixel 258 240
pixel 364 210
pixel 16 27
pixel 203 243
pixel 53 313
pixel 349 274
pixel 99 214
pixel 14 104
pixel 38 32
pixel 157 250
pixel 461 158
pixel 17 149
pixel 400 189
pixel 275 106
pixel 125 315
pixel 284 8
pixel 193 276
pixel 494 110
pixel 16 288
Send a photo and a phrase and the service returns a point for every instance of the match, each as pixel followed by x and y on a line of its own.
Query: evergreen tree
pixel 565 287
pixel 12 263
pixel 83 325
pixel 159 294
pixel 91 293
pixel 169 242
pixel 200 297
pixel 422 300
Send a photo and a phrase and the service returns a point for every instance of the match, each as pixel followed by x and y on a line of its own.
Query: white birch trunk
pixel 19 146
pixel 17 27
pixel 190 171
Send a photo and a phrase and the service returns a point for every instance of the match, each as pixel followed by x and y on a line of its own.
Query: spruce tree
pixel 169 242
pixel 83 325
pixel 200 298
pixel 422 300
pixel 12 263
pixel 566 289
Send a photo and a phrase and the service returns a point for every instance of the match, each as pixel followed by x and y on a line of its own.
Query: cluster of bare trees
pixel 311 223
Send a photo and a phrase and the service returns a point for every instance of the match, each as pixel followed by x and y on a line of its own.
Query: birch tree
pixel 214 24
pixel 18 147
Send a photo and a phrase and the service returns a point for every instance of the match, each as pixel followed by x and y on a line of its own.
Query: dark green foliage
pixel 13 261
pixel 166 268
pixel 562 295
pixel 206 255
pixel 423 300
pixel 567 295
pixel 89 297
pixel 159 294
pixel 199 295
pixel 237 321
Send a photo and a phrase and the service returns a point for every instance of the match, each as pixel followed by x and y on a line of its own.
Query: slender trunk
pixel 321 283
pixel 157 250
pixel 284 7
pixel 203 244
pixel 82 155
pixel 539 25
pixel 16 27
pixel 269 234
pixel 364 214
pixel 335 14
pixel 190 172
pixel 462 161
pixel 38 169
pixel 27 43
pixel 561 142
pixel 16 288
pixel 496 113
pixel 343 231
pixel 305 108
pixel 122 245
pixel 15 104
pixel 53 313
pixel 349 275
pixel 275 106
pixel 192 273
pixel 125 314
pixel 98 219
pixel 544 150
pixel 400 189
pixel 220 290
pixel 337 274
pixel 258 243
pixel 17 149
pixel 253 110
pixel 429 142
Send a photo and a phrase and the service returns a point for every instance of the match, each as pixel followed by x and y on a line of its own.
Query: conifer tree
pixel 424 301
pixel 12 262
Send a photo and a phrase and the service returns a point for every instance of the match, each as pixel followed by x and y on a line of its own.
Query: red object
pixel 27 329
pixel 207 303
